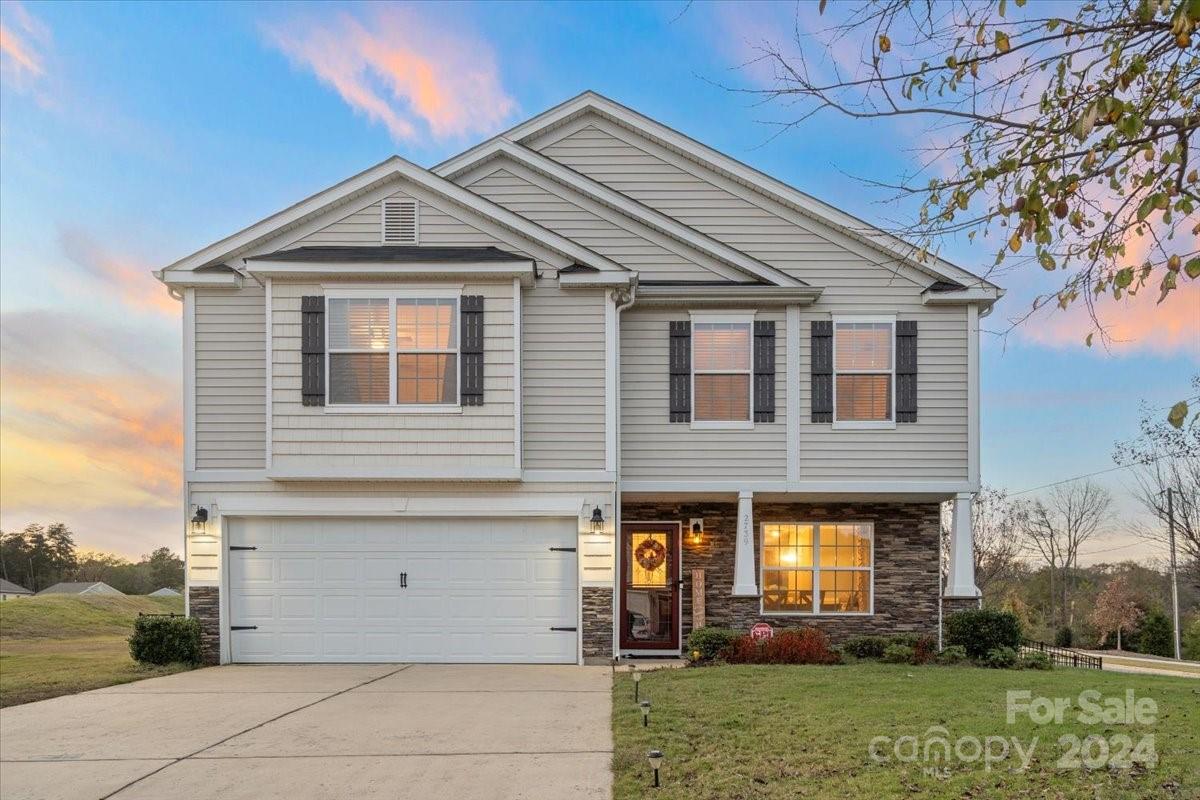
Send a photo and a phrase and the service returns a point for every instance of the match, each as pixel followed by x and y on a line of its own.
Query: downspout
pixel 941 580
pixel 630 297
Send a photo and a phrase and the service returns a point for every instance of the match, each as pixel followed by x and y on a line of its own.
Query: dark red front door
pixel 650 586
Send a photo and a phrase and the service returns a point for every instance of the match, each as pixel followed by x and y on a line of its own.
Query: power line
pixel 1110 549
pixel 1068 480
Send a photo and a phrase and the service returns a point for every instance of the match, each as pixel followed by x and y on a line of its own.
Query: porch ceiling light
pixel 597 520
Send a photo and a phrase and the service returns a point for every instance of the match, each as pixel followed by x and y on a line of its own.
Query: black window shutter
pixel 312 351
pixel 906 371
pixel 822 371
pixel 471 347
pixel 764 371
pixel 681 371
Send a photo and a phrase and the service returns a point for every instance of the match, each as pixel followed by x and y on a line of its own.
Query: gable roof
pixel 165 591
pixel 80 587
pixel 598 192
pixel 245 240
pixel 8 587
pixel 807 205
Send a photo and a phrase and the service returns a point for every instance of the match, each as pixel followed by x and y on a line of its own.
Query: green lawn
pixel 60 644
pixel 805 732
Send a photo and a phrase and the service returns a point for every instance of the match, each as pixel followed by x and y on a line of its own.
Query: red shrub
pixel 924 650
pixel 789 646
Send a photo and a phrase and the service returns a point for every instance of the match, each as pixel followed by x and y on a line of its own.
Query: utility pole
pixel 1174 575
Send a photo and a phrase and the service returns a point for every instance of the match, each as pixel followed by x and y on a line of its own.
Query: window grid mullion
pixel 393 367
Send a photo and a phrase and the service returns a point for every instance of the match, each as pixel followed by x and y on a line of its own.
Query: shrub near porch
pixel 732 732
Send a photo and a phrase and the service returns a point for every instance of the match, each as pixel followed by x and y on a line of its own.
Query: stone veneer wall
pixel 597 622
pixel 952 604
pixel 204 603
pixel 906 562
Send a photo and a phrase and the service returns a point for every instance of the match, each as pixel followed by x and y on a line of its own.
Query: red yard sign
pixel 760 631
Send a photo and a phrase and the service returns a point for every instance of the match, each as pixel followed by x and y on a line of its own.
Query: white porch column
pixel 961 582
pixel 745 582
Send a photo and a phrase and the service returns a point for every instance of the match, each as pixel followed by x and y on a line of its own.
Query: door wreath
pixel 650 554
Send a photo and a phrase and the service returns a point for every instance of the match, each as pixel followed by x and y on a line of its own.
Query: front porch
pixel 847 567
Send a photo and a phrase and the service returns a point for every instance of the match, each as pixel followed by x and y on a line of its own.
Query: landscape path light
pixel 645 706
pixel 637 682
pixel 655 757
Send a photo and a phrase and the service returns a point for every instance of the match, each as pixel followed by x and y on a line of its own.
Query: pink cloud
pixel 128 281
pixel 23 40
pixel 400 70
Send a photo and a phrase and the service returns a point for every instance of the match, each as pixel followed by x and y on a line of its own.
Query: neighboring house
pixel 11 591
pixel 81 587
pixel 166 592
pixel 561 397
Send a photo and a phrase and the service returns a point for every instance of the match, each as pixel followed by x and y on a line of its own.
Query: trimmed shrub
pixel 1064 636
pixel 924 650
pixel 980 631
pixel 799 646
pixel 1035 661
pixel 954 654
pixel 788 646
pixel 1000 658
pixel 710 642
pixel 898 654
pixel 165 640
pixel 906 639
pixel 865 646
pixel 1155 636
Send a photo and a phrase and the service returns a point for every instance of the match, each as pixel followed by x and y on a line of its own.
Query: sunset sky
pixel 132 135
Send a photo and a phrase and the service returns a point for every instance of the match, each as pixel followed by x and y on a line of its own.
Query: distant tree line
pixel 40 556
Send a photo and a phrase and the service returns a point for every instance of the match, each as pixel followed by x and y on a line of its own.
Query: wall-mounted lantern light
pixel 597 520
pixel 645 706
pixel 199 521
pixel 655 757
pixel 696 530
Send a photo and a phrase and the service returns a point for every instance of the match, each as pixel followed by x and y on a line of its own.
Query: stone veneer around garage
pixel 906 562
pixel 597 622
pixel 204 603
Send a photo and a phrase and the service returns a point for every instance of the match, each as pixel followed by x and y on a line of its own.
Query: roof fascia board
pixel 303 269
pixel 588 280
pixel 197 280
pixel 631 208
pixel 418 177
pixel 727 295
pixel 985 296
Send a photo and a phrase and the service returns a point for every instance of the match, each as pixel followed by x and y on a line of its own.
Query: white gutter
pixel 633 289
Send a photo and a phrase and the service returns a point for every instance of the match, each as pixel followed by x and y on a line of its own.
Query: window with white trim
pixel 721 371
pixel 863 371
pixel 817 567
pixel 394 350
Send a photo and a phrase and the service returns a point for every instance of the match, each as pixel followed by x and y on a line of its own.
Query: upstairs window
pixel 397 350
pixel 721 371
pixel 863 366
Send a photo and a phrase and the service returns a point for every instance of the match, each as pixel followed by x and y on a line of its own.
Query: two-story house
pixel 567 395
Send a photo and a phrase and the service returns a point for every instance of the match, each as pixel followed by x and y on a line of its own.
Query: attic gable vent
pixel 399 221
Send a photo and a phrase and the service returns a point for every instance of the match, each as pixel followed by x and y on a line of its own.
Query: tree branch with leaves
pixel 1069 142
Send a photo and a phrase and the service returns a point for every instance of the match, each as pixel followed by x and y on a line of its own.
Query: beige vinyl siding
pixel 231 418
pixel 932 448
pixel 554 212
pixel 655 449
pixel 562 361
pixel 317 438
pixel 733 214
pixel 436 227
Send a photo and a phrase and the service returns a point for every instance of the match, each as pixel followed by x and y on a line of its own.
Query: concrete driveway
pixel 319 731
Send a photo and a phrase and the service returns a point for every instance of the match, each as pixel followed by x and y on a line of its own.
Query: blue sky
pixel 134 134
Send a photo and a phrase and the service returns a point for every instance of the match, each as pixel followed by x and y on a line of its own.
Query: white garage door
pixel 434 590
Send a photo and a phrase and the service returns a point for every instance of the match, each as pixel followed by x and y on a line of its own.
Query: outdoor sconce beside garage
pixel 597 520
pixel 199 522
